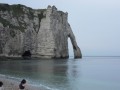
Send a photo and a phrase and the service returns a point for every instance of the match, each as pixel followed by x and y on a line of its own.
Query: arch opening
pixel 70 49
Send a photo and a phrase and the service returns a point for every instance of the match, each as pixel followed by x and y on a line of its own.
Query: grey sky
pixel 95 23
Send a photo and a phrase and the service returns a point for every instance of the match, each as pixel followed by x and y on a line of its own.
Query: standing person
pixel 22 85
pixel 1 85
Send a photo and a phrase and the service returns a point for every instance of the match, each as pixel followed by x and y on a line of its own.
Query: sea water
pixel 88 73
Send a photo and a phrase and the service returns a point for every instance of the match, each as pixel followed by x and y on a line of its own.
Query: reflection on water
pixel 89 73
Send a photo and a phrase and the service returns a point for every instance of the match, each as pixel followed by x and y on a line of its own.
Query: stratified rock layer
pixel 43 32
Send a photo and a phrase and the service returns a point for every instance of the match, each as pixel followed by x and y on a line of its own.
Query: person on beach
pixel 22 85
pixel 1 85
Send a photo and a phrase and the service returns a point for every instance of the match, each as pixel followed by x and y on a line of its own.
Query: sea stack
pixel 42 32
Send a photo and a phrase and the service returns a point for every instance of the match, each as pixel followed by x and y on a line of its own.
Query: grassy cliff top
pixel 18 8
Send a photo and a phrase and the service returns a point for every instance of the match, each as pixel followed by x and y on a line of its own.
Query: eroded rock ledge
pixel 42 32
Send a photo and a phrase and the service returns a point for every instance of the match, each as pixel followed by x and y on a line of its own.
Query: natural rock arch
pixel 76 49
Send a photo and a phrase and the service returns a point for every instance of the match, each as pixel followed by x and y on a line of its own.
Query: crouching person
pixel 22 85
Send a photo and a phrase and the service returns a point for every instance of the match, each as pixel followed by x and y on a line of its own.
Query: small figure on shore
pixel 22 84
pixel 1 85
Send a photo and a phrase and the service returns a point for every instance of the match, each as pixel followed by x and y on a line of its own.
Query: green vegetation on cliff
pixel 4 7
pixel 7 23
pixel 19 12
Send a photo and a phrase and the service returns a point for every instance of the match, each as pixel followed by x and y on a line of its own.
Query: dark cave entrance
pixel 26 54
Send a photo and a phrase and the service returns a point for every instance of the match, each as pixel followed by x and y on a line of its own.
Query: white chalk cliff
pixel 44 32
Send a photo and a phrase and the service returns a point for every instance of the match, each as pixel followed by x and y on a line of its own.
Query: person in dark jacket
pixel 1 85
pixel 22 84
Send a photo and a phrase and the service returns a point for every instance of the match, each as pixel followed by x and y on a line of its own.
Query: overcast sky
pixel 95 23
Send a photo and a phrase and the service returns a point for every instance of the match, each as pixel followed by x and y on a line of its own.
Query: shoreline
pixel 11 83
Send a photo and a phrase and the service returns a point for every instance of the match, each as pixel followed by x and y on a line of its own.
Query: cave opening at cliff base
pixel 26 54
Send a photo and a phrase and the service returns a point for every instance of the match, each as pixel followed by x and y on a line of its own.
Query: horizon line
pixel 97 56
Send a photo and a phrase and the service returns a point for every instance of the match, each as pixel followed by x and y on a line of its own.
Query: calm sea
pixel 88 73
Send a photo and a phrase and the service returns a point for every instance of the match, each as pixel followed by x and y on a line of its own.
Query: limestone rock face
pixel 44 32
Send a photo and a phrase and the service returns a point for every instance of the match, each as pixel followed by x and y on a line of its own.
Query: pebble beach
pixel 11 84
